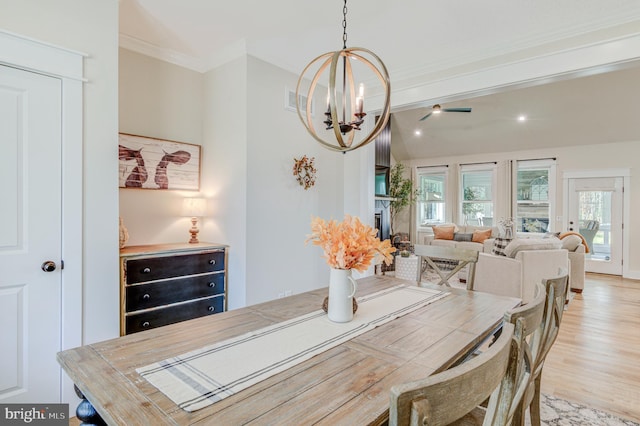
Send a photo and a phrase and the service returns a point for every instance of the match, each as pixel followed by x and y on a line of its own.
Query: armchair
pixel 518 276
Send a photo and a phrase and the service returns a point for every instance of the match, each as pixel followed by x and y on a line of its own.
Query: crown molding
pixel 578 61
pixel 167 55
pixel 514 46
pixel 227 54
pixel 201 65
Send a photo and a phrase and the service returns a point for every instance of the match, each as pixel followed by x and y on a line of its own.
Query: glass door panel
pixel 595 209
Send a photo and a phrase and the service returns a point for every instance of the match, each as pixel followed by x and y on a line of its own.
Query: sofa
pixel 478 238
pixel 454 236
pixel 577 246
pixel 468 237
pixel 526 262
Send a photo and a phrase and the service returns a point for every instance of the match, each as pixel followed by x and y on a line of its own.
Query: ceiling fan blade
pixel 426 116
pixel 457 109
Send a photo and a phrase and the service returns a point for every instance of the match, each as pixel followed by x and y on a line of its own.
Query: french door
pixel 596 212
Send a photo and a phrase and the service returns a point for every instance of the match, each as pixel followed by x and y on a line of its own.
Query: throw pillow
pixel 571 242
pixel 480 236
pixel 459 236
pixel 443 232
pixel 499 244
pixel 521 244
pixel 584 242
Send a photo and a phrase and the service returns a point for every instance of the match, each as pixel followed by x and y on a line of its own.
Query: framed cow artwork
pixel 150 163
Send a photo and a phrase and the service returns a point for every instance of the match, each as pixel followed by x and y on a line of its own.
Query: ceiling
pixel 419 40
pixel 581 111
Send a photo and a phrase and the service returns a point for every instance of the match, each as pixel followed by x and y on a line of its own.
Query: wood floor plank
pixel 595 359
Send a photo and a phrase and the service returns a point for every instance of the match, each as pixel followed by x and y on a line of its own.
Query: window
pixel 534 184
pixel 477 202
pixel 432 186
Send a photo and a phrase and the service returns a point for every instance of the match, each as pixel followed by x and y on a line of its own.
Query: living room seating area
pixel 513 266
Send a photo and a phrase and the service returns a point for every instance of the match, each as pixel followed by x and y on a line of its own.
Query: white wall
pixel 279 210
pixel 614 155
pixel 249 142
pixel 91 27
pixel 224 168
pixel 165 101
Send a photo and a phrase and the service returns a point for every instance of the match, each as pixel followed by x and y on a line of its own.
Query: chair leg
pixel 534 409
pixel 519 415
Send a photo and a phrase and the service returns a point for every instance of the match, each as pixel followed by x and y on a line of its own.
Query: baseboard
pixel 632 275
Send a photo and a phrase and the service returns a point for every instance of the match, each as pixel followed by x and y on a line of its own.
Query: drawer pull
pixel 211 309
pixel 146 324
pixel 146 296
pixel 212 285
pixel 212 262
pixel 146 270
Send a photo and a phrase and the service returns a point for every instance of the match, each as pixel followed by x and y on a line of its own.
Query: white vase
pixel 342 287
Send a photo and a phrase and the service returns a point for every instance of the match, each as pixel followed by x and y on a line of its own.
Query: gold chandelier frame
pixel 343 127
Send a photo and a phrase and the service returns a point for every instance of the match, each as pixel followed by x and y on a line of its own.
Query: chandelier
pixel 344 113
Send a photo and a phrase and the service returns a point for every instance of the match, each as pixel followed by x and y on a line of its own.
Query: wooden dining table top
pixel 348 384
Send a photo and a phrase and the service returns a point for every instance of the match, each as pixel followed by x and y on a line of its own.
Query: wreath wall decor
pixel 304 171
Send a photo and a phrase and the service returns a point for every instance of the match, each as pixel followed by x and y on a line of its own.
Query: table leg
pixel 85 411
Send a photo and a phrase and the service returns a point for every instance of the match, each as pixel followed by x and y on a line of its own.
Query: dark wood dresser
pixel 162 284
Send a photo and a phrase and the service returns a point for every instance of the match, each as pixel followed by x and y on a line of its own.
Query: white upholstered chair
pixel 517 276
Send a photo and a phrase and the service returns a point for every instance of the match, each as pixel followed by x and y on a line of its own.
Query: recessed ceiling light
pixel 418 132
pixel 522 118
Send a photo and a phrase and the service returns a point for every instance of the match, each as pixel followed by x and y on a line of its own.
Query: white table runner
pixel 199 378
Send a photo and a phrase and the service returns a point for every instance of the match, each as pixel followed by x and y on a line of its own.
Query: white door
pixel 595 211
pixel 30 234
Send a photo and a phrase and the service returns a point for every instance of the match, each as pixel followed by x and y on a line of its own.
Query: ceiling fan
pixel 437 109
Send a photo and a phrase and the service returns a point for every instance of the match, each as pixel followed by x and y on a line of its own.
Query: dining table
pixel 345 384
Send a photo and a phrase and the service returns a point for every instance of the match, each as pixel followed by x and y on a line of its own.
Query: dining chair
pixel 442 258
pixel 541 341
pixel 444 398
pixel 532 315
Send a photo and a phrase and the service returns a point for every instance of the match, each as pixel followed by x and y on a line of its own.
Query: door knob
pixel 48 266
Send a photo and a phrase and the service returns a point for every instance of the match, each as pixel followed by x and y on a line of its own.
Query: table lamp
pixel 194 208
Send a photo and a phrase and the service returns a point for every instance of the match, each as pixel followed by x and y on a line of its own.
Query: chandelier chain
pixel 344 25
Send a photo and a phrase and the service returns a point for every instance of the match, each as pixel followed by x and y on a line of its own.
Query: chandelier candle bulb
pixel 328 101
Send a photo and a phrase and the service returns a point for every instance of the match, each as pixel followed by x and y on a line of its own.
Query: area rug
pixel 559 412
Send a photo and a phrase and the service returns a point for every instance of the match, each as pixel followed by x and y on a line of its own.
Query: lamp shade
pixel 194 207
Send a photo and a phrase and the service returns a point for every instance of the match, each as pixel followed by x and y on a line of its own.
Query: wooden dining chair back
pixel 444 398
pixel 446 262
pixel 541 342
pixel 532 316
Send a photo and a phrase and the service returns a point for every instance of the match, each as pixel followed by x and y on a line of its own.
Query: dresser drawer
pixel 172 314
pixel 143 296
pixel 155 268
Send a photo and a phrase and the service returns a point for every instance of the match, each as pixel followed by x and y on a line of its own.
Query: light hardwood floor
pixel 595 360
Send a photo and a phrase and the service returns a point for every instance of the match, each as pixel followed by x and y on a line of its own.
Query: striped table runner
pixel 200 378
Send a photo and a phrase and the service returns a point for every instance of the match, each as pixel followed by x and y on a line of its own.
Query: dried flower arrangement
pixel 349 244
pixel 305 171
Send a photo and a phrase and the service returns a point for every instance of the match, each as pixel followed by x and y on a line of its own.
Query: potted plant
pixel 401 193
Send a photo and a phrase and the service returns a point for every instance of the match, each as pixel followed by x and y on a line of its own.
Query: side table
pixel 406 267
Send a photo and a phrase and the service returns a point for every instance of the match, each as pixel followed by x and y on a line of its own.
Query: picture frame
pixel 161 164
